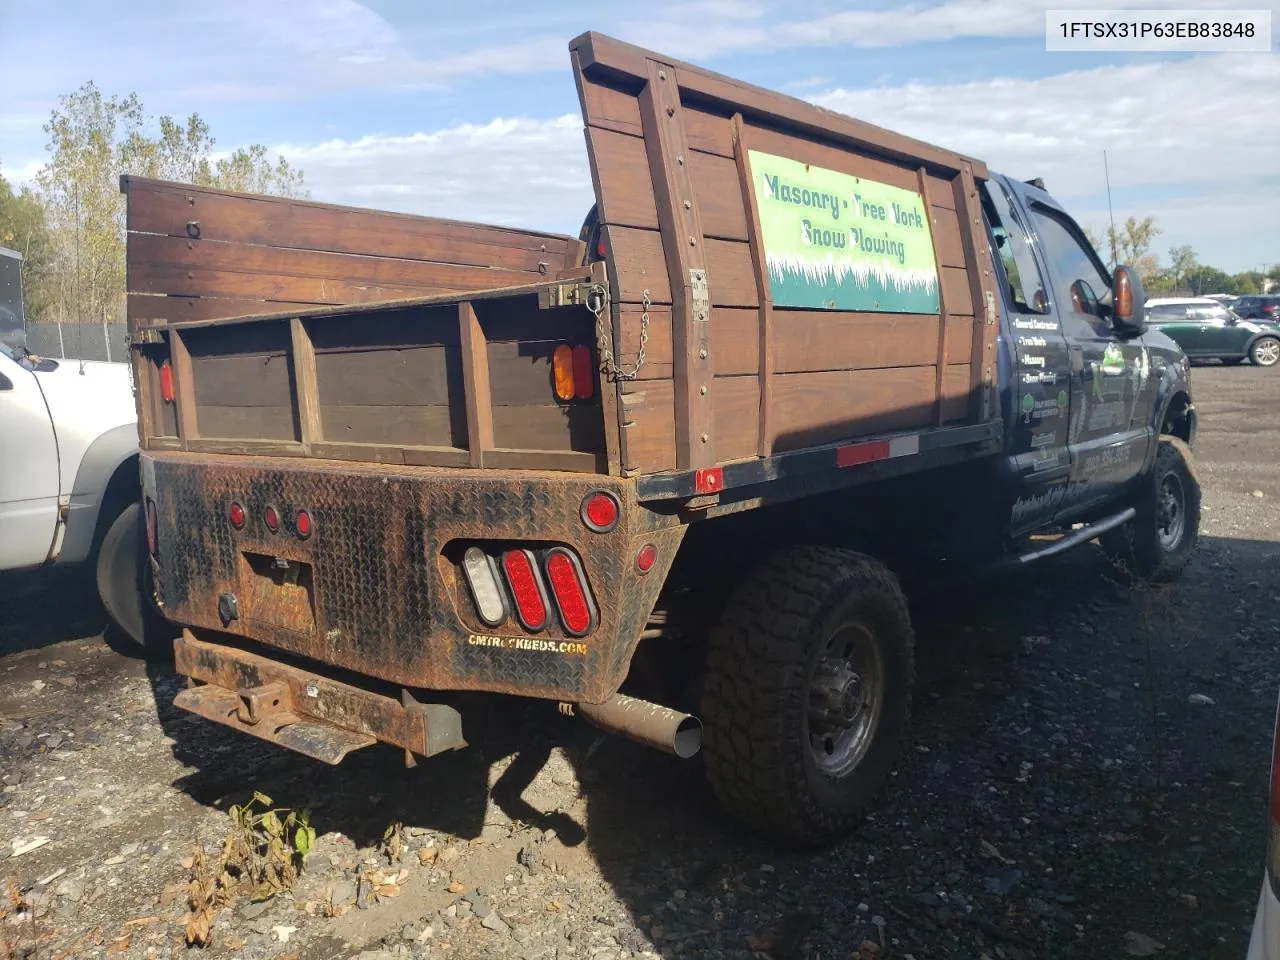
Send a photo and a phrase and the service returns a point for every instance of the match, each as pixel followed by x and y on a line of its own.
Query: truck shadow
pixel 39 608
pixel 690 878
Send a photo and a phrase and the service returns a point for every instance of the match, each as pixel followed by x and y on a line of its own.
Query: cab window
pixel 1085 290
pixel 1025 285
pixel 1208 313
pixel 1166 313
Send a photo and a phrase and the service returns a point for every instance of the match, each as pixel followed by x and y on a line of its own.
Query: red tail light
pixel 166 382
pixel 151 526
pixel 235 513
pixel 600 511
pixel 271 518
pixel 302 524
pixel 646 557
pixel 584 379
pixel 572 596
pixel 526 588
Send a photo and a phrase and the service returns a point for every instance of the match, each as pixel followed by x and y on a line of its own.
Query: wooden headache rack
pixel 285 327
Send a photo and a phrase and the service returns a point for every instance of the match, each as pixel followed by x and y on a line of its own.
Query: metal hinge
pixel 575 293
pixel 991 309
pixel 699 295
pixel 144 335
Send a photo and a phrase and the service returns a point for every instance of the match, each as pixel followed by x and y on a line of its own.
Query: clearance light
pixel 526 587
pixel 235 513
pixel 600 511
pixel 302 525
pixel 569 588
pixel 166 382
pixel 562 371
pixel 271 518
pixel 482 577
pixel 646 558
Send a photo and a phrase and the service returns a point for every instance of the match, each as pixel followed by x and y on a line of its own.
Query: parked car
pixel 1265 942
pixel 1207 330
pixel 1263 306
pixel 69 485
pixel 1226 299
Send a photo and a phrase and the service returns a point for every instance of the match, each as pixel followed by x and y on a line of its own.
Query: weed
pixel 262 853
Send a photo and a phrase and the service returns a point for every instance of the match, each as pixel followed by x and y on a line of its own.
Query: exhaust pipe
pixel 649 723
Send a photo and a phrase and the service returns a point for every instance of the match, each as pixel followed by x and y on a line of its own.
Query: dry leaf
pixel 427 855
pixel 388 890
pixel 457 886
pixel 140 921
pixel 119 946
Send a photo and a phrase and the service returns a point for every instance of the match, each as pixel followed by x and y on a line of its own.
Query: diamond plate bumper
pixel 375 589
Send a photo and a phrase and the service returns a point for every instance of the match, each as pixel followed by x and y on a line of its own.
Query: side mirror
pixel 1128 302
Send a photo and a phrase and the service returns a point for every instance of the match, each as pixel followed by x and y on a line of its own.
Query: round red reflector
pixel 302 524
pixel 600 511
pixel 271 518
pixel 646 558
pixel 235 513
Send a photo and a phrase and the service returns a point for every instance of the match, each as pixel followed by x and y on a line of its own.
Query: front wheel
pixel 1265 352
pixel 807 692
pixel 1158 542
pixel 125 586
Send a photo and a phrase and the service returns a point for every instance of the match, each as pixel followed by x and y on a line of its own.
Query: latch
pixel 144 335
pixel 573 293
pixel 701 299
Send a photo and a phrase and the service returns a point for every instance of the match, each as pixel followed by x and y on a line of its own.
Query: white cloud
pixel 514 172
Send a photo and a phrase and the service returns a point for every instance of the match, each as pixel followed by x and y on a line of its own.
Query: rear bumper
pixel 375 589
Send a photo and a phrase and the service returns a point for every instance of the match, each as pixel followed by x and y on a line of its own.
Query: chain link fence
pixel 78 341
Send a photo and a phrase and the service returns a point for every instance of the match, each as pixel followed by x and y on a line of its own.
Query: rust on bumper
pixel 303 711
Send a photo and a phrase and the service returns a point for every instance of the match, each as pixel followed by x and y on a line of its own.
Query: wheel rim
pixel 1171 512
pixel 1267 352
pixel 846 699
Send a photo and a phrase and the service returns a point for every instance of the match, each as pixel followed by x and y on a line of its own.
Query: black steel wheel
pixel 807 692
pixel 1157 544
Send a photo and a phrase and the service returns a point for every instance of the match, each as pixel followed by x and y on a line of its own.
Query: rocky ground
pixel 1087 778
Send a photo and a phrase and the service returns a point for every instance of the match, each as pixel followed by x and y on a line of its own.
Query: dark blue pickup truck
pixel 661 474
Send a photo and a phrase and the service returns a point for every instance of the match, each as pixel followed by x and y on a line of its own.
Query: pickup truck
pixel 69 485
pixel 662 473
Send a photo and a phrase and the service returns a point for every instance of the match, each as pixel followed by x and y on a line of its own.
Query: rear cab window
pixel 1023 283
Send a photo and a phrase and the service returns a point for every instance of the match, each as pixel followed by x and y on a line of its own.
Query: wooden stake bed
pixel 288 328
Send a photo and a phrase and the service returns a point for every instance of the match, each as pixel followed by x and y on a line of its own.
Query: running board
pixel 1073 539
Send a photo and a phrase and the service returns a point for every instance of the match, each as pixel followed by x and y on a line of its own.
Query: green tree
pixel 1182 261
pixel 1250 281
pixel 23 227
pixel 1202 279
pixel 93 140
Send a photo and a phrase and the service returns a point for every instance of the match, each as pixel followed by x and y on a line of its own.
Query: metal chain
pixel 598 303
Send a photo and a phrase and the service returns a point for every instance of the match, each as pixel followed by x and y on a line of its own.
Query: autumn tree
pixel 93 140
pixel 23 228
pixel 1182 261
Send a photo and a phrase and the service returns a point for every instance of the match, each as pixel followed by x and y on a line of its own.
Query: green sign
pixel 838 242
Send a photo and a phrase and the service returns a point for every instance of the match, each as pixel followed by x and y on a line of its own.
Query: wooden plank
pixel 649 426
pixel 708 132
pixel 184 389
pixel 568 460
pixel 625 188
pixel 816 408
pixel 246 447
pixel 946 231
pixel 549 426
pixel 424 375
pixel 407 424
pixel 719 192
pixel 683 242
pixel 575 252
pixel 146 375
pixel 943 328
pixel 982 368
pixel 242 380
pixel 959 339
pixel 306 391
pixel 238 270
pixel 150 309
pixel 730 274
pixel 764 292
pixel 607 106
pixel 162 443
pixel 736 405
pixel 956 401
pixel 475 384
pixel 735 330
pixel 636 264
pixel 435 457
pixel 167 209
pixel 602 55
pixel 957 291
pixel 250 423
pixel 813 340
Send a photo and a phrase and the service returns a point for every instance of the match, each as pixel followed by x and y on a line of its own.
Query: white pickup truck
pixel 69 487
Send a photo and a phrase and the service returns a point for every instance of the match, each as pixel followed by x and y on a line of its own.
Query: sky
pixel 468 109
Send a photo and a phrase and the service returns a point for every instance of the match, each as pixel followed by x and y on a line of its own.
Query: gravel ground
pixel 1087 778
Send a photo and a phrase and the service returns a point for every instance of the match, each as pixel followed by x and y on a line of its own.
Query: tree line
pixel 1184 275
pixel 69 224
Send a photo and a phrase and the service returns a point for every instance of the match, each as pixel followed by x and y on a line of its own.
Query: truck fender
pixel 107 477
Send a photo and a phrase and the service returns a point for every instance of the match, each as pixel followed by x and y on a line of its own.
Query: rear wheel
pixel 124 584
pixel 1158 542
pixel 1265 352
pixel 808 692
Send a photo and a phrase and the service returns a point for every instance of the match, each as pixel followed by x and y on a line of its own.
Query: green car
pixel 1206 330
